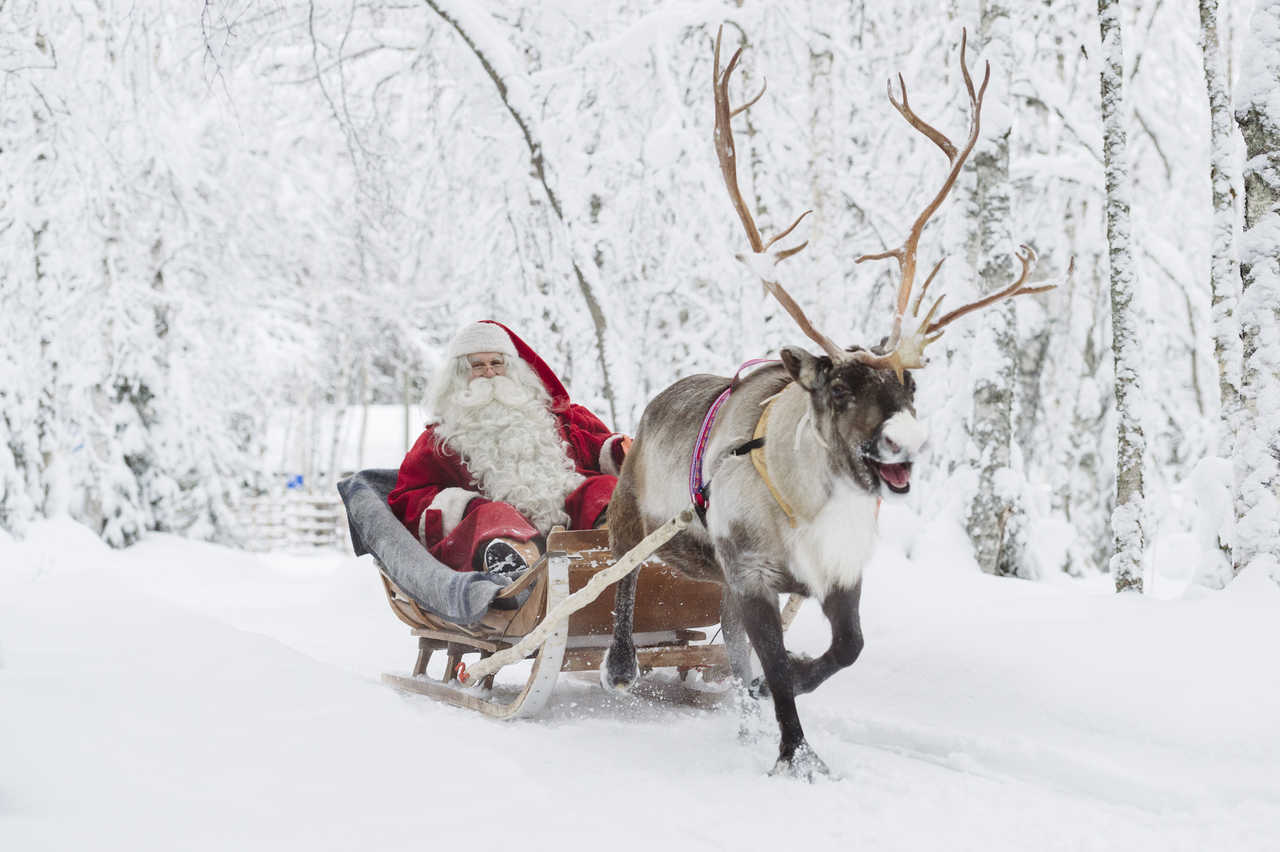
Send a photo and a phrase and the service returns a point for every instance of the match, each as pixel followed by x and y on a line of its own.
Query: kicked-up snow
pixel 178 695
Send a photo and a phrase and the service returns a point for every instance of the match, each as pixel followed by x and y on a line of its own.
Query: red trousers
pixel 488 519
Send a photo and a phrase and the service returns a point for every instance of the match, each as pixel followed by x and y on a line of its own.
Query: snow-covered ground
pixel 178 695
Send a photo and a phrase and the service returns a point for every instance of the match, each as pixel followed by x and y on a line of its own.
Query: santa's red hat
pixel 492 336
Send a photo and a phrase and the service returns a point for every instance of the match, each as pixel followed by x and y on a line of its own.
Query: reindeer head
pixel 863 415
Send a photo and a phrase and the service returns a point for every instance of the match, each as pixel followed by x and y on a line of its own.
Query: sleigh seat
pixel 671 611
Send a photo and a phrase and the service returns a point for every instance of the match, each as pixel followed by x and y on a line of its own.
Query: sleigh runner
pixel 671 610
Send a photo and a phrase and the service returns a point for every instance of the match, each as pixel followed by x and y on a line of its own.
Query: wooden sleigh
pixel 670 614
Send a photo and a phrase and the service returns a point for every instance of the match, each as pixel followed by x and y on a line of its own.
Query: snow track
pixel 182 690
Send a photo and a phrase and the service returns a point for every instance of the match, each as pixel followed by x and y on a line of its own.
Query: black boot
pixel 501 558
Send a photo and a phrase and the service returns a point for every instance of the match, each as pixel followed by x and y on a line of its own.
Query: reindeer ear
pixel 803 367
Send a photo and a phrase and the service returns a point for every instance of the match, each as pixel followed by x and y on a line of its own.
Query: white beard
pixel 510 442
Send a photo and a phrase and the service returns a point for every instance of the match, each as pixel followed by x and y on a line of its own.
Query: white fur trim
pixel 607 465
pixel 450 503
pixel 481 337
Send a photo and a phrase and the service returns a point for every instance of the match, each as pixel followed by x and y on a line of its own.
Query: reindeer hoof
pixel 618 673
pixel 803 764
pixel 759 688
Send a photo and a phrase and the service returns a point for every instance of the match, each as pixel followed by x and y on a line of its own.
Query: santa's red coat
pixel 428 469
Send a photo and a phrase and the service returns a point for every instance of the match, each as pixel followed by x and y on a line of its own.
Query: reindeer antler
pixel 729 170
pixel 907 352
pixel 901 351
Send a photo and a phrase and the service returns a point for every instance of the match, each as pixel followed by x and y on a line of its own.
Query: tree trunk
pixel 49 424
pixel 1126 518
pixel 995 520
pixel 1257 460
pixel 453 16
pixel 1224 277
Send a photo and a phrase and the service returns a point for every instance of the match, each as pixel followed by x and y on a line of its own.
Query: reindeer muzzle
pixel 896 444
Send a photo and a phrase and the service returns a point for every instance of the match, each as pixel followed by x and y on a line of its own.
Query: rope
pixel 579 599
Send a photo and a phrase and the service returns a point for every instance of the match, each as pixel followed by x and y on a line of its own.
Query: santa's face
pixel 487 364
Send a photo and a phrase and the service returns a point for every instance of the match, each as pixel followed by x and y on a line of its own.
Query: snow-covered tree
pixel 1127 517
pixel 509 77
pixel 996 520
pixel 1224 276
pixel 1257 461
pixel 218 217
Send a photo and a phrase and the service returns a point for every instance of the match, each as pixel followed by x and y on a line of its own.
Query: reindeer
pixel 827 436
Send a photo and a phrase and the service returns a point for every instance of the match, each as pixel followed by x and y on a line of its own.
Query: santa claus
pixel 507 457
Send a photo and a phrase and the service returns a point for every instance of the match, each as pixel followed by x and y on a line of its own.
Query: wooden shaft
pixel 579 599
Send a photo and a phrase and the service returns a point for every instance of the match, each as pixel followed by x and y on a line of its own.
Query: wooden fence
pixel 295 520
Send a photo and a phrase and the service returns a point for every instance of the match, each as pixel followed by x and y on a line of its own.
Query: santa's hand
pixel 612 453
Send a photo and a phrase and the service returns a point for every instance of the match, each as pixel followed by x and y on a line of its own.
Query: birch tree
pixel 1257 461
pixel 1126 518
pixel 995 521
pixel 1224 276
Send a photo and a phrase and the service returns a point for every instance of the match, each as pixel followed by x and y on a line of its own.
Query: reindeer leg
pixel 760 616
pixel 738 647
pixel 841 609
pixel 735 639
pixel 620 670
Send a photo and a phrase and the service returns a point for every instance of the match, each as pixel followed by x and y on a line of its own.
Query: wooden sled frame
pixel 669 608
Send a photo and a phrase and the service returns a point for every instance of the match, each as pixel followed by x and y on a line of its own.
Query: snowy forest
pixel 216 212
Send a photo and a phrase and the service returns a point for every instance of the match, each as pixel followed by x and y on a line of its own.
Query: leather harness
pixel 699 491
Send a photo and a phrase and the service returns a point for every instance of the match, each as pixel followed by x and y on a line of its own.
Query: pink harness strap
pixel 697 488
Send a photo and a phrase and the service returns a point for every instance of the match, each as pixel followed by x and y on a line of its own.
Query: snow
pixel 633 42
pixel 183 695
pixel 1255 88
pixel 497 52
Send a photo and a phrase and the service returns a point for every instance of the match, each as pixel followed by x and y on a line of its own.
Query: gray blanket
pixel 459 596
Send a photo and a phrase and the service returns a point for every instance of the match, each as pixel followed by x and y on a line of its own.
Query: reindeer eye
pixel 840 392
